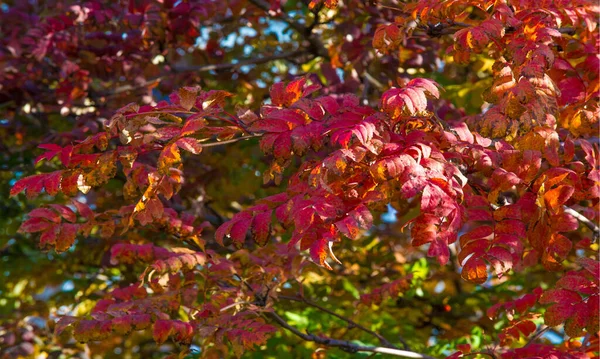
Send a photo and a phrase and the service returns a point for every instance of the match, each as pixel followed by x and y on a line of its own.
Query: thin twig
pixel 381 338
pixel 583 219
pixel 542 330
pixel 343 344
pixel 316 45
pixel 374 81
pixel 213 144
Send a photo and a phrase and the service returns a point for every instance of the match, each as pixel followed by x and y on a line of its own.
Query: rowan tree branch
pixel 252 61
pixel 583 219
pixel 203 68
pixel 381 338
pixel 537 335
pixel 315 44
pixel 233 140
pixel 374 81
pixel 343 344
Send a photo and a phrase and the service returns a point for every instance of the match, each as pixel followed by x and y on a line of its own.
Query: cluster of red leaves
pixel 365 158
pixel 575 300
pixel 354 160
pixel 534 85
pixel 80 43
pixel 176 279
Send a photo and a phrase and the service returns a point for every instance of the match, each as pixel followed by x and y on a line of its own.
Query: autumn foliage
pixel 207 179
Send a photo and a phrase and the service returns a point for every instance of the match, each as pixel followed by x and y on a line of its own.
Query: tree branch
pixel 316 46
pixel 537 335
pixel 203 68
pixel 381 338
pixel 374 81
pixel 253 61
pixel 343 344
pixel 213 144
pixel 583 219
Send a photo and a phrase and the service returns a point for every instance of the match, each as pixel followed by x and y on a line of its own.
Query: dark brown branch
pixel 540 332
pixel 583 219
pixel 567 30
pixel 374 81
pixel 343 344
pixel 316 46
pixel 254 61
pixel 205 68
pixel 382 339
pixel 233 140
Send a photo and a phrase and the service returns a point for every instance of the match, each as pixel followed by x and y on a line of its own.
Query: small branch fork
pixel 352 323
pixel 343 344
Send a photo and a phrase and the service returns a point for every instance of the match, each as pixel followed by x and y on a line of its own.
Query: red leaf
pixel 214 99
pixel 475 271
pixel 52 183
pixel 161 330
pixel 387 38
pixel 65 212
pixel 169 157
pixel 66 237
pixel 51 151
pixel 559 246
pixel 35 224
pixel 240 228
pixel 46 214
pixel 33 185
pixel 189 144
pixel 187 97
pixel 572 90
pixel 439 249
pixel 591 265
pixel 48 238
pixel 558 196
pixel 558 314
pixel 355 220
pixel 84 210
pixel 318 252
pixel 261 227
pixel 223 231
pixel 63 324
pixel 193 124
pixel 282 95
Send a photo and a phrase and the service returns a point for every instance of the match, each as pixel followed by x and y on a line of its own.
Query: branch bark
pixel 315 45
pixel 204 68
pixel 343 344
pixel 213 144
pixel 253 61
pixel 381 338
pixel 537 335
pixel 583 219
